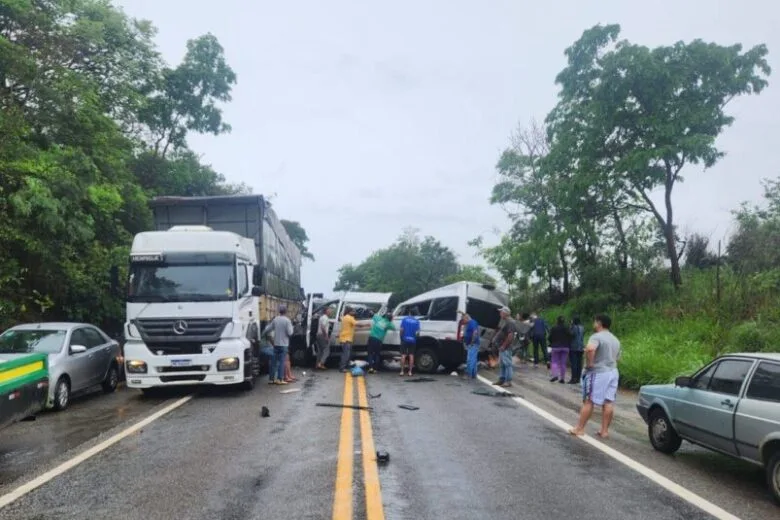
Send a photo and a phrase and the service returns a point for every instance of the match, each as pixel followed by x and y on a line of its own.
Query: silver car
pixel 731 406
pixel 81 356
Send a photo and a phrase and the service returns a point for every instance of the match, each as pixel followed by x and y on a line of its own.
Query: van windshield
pixel 182 281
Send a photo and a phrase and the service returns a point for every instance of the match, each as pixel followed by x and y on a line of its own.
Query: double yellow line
pixel 342 502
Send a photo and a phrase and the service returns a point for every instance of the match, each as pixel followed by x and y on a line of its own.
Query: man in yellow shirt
pixel 347 337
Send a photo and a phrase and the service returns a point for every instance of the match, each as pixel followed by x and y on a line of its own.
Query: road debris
pixel 419 380
pixel 382 457
pixel 377 396
pixel 493 393
pixel 264 412
pixel 337 405
pixel 408 407
pixel 289 390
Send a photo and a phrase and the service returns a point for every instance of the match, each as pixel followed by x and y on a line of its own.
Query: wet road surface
pixel 460 455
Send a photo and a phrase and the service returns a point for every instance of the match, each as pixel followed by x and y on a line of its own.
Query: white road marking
pixel 22 490
pixel 656 477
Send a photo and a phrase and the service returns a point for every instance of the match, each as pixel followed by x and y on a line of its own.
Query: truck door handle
pixel 727 402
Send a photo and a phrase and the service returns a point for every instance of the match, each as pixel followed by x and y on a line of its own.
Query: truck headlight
pixel 135 366
pixel 230 363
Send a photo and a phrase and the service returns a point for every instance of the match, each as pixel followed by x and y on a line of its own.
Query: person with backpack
pixel 410 329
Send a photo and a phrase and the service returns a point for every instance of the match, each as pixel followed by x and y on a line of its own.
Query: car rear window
pixel 765 384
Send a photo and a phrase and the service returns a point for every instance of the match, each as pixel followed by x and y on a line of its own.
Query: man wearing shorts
pixel 600 380
pixel 410 328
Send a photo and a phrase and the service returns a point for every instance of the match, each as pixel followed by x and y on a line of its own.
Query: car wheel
pixel 62 394
pixel 426 360
pixel 112 380
pixel 661 433
pixel 773 475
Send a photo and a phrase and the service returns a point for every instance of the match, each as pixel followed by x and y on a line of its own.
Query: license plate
pixel 181 362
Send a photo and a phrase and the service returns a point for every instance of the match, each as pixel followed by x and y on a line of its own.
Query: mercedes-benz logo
pixel 180 327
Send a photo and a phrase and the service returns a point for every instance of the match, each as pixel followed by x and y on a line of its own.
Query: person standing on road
pixel 380 325
pixel 577 346
pixel 281 329
pixel 323 339
pixel 347 337
pixel 471 338
pixel 410 329
pixel 504 339
pixel 600 380
pixel 560 341
pixel 539 338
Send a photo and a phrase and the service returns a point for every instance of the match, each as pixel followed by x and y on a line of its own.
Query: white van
pixel 439 312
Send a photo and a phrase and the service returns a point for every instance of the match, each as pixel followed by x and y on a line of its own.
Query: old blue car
pixel 731 406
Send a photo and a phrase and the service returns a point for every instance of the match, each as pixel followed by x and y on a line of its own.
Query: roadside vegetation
pixel 93 123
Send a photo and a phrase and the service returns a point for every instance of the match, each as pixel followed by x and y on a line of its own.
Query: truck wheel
pixel 112 379
pixel 426 360
pixel 62 394
pixel 248 384
pixel 773 475
pixel 661 433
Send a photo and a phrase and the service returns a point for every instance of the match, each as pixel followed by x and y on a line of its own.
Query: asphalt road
pixel 460 455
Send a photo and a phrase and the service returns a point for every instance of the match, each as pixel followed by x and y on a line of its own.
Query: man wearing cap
pixel 504 339
pixel 281 329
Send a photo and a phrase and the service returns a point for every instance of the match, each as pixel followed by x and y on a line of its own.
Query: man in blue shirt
pixel 471 337
pixel 410 328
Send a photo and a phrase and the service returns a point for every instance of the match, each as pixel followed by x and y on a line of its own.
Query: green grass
pixel 679 335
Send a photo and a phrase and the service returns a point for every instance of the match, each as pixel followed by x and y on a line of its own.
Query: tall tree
pixel 637 116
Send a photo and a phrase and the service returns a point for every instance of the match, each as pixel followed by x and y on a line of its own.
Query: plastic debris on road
pixel 357 372
pixel 408 407
pixel 289 390
pixel 419 380
pixel 264 412
pixel 382 457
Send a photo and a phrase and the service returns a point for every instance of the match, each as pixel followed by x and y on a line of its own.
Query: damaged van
pixel 439 312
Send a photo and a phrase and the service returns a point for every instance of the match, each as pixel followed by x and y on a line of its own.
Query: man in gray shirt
pixel 600 380
pixel 281 329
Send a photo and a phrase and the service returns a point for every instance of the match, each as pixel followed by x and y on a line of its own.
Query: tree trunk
pixel 671 240
pixel 622 250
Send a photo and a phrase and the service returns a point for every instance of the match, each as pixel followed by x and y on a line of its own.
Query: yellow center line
pixel 342 502
pixel 374 508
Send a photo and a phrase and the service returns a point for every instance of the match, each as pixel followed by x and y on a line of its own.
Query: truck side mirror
pixel 257 290
pixel 257 275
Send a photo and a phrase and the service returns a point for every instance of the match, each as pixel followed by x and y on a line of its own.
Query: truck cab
pixel 192 309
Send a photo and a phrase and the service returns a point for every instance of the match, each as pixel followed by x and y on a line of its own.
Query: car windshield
pixel 177 283
pixel 16 341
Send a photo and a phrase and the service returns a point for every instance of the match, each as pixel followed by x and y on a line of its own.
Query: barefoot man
pixel 600 381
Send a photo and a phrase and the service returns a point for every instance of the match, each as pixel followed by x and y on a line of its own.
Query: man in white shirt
pixel 323 339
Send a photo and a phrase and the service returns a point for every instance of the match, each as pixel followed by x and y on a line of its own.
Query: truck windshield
pixel 27 341
pixel 182 282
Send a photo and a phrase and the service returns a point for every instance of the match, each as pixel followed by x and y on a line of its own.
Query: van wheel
pixel 773 475
pixel 661 433
pixel 426 360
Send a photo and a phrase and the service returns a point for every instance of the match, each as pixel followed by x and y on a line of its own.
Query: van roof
pixel 473 289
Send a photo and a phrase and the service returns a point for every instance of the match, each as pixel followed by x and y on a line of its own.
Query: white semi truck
pixel 201 286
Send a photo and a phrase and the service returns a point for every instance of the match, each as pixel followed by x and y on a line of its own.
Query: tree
pixel 185 98
pixel 408 267
pixel 78 79
pixel 637 116
pixel 471 273
pixel 299 237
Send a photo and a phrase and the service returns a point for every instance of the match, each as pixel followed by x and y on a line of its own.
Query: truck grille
pixel 182 377
pixel 170 349
pixel 180 330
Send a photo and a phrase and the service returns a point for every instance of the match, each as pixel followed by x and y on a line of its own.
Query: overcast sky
pixel 363 118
